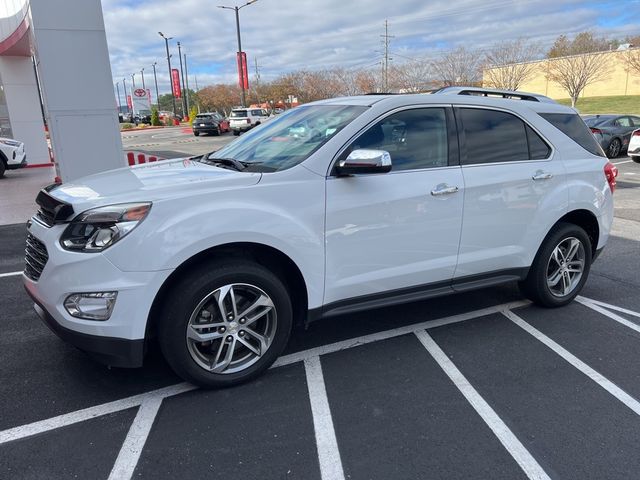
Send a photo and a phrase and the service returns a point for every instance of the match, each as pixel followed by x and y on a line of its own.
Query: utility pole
pixel 155 79
pixel 185 111
pixel 386 39
pixel 186 75
pixel 126 99
pixel 143 85
pixel 133 81
pixel 195 77
pixel 119 103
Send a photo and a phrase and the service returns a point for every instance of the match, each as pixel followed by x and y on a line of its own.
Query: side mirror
pixel 365 161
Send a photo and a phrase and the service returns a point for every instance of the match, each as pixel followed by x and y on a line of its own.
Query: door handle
pixel 540 175
pixel 443 189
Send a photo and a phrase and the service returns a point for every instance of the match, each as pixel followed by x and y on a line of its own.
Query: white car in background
pixel 12 155
pixel 243 119
pixel 633 150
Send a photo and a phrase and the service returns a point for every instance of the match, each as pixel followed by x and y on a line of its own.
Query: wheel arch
pixel 586 220
pixel 272 258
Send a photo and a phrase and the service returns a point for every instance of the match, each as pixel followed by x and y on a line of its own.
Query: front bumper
pixel 118 341
pixel 241 128
pixel 18 162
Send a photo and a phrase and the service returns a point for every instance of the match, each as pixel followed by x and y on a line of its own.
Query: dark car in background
pixel 211 122
pixel 612 131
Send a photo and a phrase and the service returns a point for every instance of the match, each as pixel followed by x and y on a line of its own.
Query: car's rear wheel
pixel 560 268
pixel 225 323
pixel 635 158
pixel 197 134
pixel 613 150
pixel 219 131
pixel 236 133
pixel 3 167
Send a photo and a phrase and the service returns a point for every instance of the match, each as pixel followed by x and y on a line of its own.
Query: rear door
pixel 401 229
pixel 511 177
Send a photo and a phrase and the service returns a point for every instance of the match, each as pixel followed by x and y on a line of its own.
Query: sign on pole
pixel 243 74
pixel 129 103
pixel 140 100
pixel 175 82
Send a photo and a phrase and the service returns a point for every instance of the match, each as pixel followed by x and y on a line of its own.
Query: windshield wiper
pixel 226 162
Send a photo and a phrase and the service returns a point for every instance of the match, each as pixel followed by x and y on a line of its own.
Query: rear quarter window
pixel 573 127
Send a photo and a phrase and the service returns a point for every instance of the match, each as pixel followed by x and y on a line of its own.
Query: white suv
pixel 385 199
pixel 243 119
pixel 12 155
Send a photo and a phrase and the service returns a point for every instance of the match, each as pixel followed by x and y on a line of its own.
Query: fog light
pixel 91 306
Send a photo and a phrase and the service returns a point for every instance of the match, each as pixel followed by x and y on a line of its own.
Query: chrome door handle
pixel 540 175
pixel 443 189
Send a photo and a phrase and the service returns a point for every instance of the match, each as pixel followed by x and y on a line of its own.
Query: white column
pixel 21 94
pixel 75 74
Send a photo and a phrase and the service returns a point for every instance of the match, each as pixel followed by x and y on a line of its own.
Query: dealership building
pixel 61 47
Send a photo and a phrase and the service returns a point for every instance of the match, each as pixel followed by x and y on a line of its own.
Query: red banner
pixel 175 82
pixel 243 74
pixel 129 102
pixel 149 95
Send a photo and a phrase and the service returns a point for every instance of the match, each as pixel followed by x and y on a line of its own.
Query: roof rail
pixel 490 92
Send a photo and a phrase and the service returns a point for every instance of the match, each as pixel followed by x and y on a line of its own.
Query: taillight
pixel 611 172
pixel 636 133
pixel 596 130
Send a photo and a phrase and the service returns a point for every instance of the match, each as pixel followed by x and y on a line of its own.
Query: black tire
pixel 218 131
pixel 614 148
pixel 185 297
pixel 635 158
pixel 535 286
pixel 197 134
pixel 236 133
pixel 3 168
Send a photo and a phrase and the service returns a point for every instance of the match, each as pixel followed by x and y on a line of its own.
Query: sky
pixel 288 35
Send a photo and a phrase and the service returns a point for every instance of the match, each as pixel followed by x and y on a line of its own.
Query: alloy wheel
pixel 565 267
pixel 231 328
pixel 614 148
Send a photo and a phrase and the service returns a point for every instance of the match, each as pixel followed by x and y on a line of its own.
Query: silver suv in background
pixel 243 119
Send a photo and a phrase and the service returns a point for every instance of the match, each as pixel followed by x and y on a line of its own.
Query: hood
pixel 150 182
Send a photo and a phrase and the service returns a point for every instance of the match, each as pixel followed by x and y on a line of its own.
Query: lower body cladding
pixel 118 340
pixel 17 163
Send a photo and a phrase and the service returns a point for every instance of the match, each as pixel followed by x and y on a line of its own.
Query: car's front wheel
pixel 635 158
pixel 197 134
pixel 560 268
pixel 225 323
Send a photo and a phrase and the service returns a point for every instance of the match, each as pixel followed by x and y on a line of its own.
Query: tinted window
pixel 538 149
pixel 635 121
pixel 203 117
pixel 414 138
pixel 493 136
pixel 573 127
pixel 238 113
pixel 256 113
pixel 623 122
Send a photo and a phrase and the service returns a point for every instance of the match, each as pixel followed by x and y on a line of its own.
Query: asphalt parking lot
pixel 478 385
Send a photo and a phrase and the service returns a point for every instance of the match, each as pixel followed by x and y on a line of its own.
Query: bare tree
pixel 458 67
pixel 509 64
pixel 576 72
pixel 412 77
pixel 632 58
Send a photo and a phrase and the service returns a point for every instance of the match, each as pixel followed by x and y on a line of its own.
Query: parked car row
pixel 612 132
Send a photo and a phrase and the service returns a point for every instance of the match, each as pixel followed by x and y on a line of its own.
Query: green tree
pixel 155 117
pixel 584 42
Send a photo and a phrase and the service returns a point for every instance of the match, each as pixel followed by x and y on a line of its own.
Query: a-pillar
pixel 75 75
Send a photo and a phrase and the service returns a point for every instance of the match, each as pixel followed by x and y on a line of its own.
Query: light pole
pixel 166 44
pixel 155 79
pixel 240 72
pixel 186 74
pixel 133 81
pixel 119 103
pixel 185 112
pixel 126 99
pixel 143 85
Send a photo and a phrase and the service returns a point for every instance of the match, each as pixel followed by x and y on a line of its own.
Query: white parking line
pixel 611 315
pixel 130 402
pixel 608 305
pixel 89 413
pixel 10 274
pixel 136 438
pixel 600 379
pixel 326 442
pixel 624 161
pixel 520 454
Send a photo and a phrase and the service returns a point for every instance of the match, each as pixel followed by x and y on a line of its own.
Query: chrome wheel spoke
pixel 250 346
pixel 228 357
pixel 221 296
pixel 251 316
pixel 263 341
pixel 573 250
pixel 553 280
pixel 193 334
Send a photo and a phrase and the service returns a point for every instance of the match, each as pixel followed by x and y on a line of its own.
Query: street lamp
pixel 240 73
pixel 155 79
pixel 166 44
pixel 143 85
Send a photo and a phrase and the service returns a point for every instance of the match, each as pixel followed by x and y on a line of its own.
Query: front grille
pixel 35 259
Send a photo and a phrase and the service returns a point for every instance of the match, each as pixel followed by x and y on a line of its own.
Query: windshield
pixel 238 113
pixel 289 138
pixel 203 117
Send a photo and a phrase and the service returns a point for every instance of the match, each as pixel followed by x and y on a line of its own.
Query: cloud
pixel 286 35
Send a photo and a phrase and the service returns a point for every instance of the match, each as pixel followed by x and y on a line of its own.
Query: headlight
pixel 99 228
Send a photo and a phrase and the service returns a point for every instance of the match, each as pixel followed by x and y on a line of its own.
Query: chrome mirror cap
pixel 365 161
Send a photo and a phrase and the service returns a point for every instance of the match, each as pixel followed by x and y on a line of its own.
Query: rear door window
pixel 573 127
pixel 239 114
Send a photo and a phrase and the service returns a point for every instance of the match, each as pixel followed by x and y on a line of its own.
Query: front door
pixel 401 229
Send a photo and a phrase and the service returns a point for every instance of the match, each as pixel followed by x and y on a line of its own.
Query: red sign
pixel 138 92
pixel 175 82
pixel 149 95
pixel 243 74
pixel 129 103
